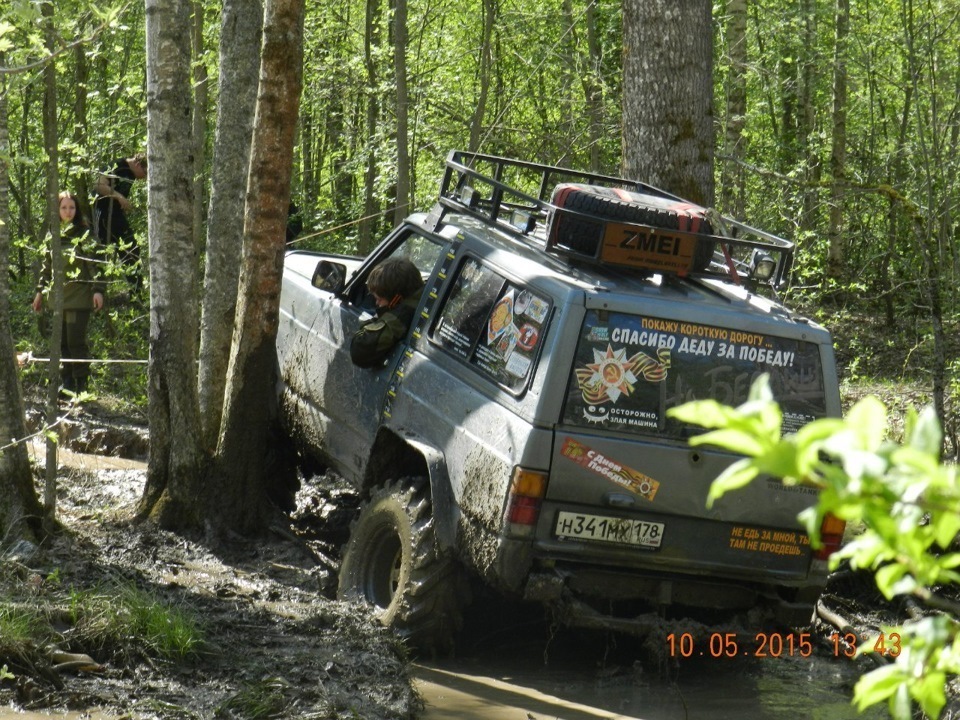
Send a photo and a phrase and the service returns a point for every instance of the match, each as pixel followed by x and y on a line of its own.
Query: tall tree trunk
pixel 485 66
pixel 81 183
pixel 585 64
pixel 310 154
pixel 237 490
pixel 240 40
pixel 593 87
pixel 20 509
pixel 836 255
pixel 371 44
pixel 808 149
pixel 200 102
pixel 732 180
pixel 174 472
pixel 668 130
pixel 55 297
pixel 402 205
pixel 895 172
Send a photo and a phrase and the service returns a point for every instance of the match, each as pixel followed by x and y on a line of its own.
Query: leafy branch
pixel 905 499
pixel 108 17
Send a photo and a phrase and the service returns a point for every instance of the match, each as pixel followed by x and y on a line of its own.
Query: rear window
pixel 630 369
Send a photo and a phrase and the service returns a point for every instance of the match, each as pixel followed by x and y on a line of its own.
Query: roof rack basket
pixel 521 198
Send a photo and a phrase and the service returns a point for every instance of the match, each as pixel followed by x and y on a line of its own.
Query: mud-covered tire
pixel 641 208
pixel 392 562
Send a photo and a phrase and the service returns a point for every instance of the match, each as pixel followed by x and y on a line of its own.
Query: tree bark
pixel 81 182
pixel 174 472
pixel 593 87
pixel 237 493
pixel 200 102
pixel 668 134
pixel 402 205
pixel 732 180
pixel 241 35
pixel 485 68
pixel 371 44
pixel 836 255
pixel 55 296
pixel 20 509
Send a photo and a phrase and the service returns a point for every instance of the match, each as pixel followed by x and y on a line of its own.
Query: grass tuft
pixel 125 618
pixel 263 700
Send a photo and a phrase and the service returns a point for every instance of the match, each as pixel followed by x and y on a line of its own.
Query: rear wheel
pixel 392 562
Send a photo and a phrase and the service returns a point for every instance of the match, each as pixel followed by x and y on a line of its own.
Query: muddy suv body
pixel 520 430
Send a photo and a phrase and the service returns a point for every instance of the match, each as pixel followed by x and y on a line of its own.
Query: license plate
pixel 601 528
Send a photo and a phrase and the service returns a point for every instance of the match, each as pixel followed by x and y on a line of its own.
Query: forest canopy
pixel 836 124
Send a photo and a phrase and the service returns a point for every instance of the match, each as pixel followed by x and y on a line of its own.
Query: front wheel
pixel 392 562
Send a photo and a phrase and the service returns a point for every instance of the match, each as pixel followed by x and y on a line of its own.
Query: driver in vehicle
pixel 396 287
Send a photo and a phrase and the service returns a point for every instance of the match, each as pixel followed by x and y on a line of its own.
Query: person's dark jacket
pixel 377 336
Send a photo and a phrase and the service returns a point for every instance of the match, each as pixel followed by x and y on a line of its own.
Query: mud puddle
pixel 521 669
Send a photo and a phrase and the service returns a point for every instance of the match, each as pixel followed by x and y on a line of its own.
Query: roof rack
pixel 520 198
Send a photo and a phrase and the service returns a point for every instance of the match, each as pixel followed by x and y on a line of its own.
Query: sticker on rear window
pixel 630 369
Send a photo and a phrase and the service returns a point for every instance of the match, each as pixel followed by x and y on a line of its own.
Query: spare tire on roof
pixel 586 212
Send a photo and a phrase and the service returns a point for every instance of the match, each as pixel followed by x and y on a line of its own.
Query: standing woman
pixel 82 291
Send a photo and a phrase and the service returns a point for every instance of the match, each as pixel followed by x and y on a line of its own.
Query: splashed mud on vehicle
pixel 519 432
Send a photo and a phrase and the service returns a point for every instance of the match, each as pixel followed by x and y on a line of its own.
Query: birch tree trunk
pixel 668 132
pixel 20 510
pixel 237 491
pixel 200 103
pixel 240 39
pixel 174 473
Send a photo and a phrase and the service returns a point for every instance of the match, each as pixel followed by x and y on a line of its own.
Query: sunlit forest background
pixel 837 126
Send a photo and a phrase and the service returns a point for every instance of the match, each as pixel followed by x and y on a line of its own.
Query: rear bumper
pixel 627 602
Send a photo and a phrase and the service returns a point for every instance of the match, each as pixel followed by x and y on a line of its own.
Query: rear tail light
pixel 831 536
pixel 527 490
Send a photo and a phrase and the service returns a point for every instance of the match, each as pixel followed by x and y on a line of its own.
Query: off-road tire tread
pixel 429 612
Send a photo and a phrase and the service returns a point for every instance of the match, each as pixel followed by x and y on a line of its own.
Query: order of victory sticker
pixel 626 477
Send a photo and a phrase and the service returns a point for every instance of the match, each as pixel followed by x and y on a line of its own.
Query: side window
pixel 492 324
pixel 422 251
pixel 419 250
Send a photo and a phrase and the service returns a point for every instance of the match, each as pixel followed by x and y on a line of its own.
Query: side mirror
pixel 329 276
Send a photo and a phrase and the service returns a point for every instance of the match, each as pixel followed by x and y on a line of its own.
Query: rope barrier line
pixel 24 358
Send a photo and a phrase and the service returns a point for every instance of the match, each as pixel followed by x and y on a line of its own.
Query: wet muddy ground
pixel 273 628
pixel 264 606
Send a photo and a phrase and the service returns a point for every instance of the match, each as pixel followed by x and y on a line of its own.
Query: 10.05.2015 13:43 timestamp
pixel 774 645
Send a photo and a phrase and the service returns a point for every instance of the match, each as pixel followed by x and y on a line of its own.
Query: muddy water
pixel 781 689
pixel 8 714
pixel 518 675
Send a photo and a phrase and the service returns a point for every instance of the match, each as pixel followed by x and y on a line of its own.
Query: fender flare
pixel 446 512
pixel 392 448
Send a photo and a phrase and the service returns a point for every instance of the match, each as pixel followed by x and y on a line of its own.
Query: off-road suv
pixel 520 432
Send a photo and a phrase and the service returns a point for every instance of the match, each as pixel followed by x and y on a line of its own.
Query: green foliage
pixel 111 617
pixel 907 501
pixel 19 626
